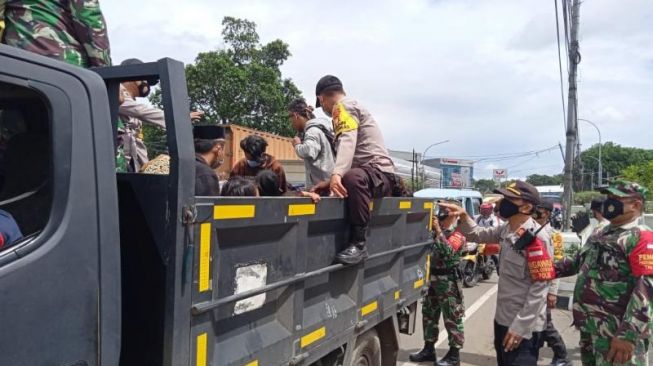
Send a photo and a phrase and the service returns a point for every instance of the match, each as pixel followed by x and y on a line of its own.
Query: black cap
pixel 520 190
pixel 326 83
pixel 134 61
pixel 208 132
pixel 547 205
pixel 131 61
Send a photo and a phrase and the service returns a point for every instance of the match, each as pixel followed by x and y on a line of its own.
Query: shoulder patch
pixel 456 240
pixel 343 121
pixel 641 258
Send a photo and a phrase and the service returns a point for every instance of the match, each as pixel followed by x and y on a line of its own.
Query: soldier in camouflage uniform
pixel 73 31
pixel 444 295
pixel 614 285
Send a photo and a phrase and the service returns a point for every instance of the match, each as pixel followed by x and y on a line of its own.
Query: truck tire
pixel 368 350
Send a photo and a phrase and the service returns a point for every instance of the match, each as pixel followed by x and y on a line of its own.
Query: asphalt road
pixel 480 304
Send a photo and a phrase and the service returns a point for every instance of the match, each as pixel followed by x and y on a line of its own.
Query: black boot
pixel 356 250
pixel 426 354
pixel 452 358
pixel 353 254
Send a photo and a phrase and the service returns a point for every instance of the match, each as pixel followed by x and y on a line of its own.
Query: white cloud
pixel 483 74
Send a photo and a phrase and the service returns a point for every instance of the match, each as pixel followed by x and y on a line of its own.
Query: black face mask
pixel 143 90
pixel 508 209
pixel 612 208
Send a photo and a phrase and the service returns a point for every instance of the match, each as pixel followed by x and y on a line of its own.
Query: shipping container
pixel 278 146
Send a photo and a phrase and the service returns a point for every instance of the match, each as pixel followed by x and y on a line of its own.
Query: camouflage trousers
pixel 594 349
pixel 444 297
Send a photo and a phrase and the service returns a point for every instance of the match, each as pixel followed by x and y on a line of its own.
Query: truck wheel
pixel 368 350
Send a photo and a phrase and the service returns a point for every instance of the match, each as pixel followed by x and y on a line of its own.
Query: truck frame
pixel 134 269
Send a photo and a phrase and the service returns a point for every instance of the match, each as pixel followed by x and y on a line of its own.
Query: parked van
pixel 470 199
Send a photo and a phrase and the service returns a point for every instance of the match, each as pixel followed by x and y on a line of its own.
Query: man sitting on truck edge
pixel 315 143
pixel 73 31
pixel 256 160
pixel 363 168
pixel 209 152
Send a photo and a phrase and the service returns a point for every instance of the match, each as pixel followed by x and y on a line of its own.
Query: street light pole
pixel 424 155
pixel 600 181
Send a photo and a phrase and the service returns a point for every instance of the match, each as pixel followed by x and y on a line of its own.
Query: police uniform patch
pixel 641 258
pixel 342 120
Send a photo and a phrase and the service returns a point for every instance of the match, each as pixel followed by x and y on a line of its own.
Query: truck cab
pixel 134 269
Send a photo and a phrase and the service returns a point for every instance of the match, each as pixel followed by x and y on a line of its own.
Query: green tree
pixel 545 180
pixel 615 159
pixel 242 83
pixel 485 185
pixel 642 174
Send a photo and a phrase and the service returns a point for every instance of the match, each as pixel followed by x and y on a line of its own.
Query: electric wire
pixel 562 82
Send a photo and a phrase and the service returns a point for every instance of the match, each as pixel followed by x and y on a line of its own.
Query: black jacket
pixel 206 181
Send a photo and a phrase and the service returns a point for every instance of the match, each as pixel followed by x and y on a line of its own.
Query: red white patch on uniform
pixel 537 253
pixel 456 240
pixel 641 258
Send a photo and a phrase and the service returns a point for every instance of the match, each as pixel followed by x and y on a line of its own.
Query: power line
pixel 566 14
pixel 518 156
pixel 531 169
pixel 502 155
pixel 562 83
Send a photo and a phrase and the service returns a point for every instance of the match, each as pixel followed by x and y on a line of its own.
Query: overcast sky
pixel 481 73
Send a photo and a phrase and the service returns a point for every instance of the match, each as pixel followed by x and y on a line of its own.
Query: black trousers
pixel 364 184
pixel 525 355
pixel 551 336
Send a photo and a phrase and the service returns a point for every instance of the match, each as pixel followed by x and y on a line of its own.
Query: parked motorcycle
pixel 475 265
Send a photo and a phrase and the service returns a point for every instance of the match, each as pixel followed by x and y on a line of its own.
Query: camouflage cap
pixel 624 189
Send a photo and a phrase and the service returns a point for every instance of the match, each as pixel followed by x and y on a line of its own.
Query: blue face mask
pixel 253 163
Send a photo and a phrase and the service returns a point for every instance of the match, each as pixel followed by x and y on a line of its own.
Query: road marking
pixel 469 312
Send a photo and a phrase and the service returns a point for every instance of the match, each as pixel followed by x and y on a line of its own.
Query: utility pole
pixel 572 122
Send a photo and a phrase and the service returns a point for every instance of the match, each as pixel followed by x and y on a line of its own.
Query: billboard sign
pixel 500 174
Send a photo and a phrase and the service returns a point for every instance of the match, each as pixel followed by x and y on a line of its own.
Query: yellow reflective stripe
pixel 429 206
pixel 428 267
pixel 301 210
pixel 419 283
pixel 253 363
pixel 405 205
pixel 200 356
pixel 371 205
pixel 312 337
pixel 369 308
pixel 227 212
pixel 397 294
pixel 205 257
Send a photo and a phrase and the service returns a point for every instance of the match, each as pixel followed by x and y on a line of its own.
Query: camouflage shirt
pixel 614 284
pixel 446 251
pixel 73 31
